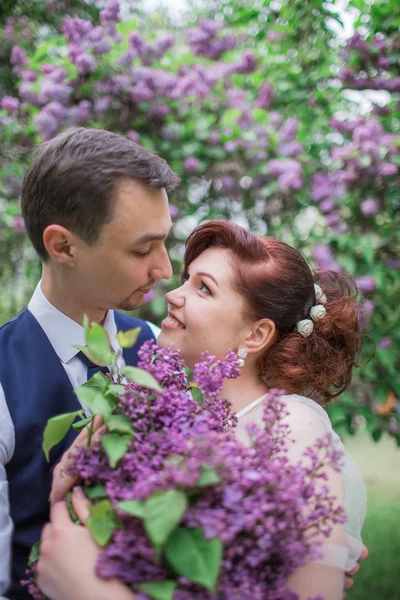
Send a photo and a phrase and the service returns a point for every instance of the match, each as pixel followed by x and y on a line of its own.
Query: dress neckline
pixel 253 404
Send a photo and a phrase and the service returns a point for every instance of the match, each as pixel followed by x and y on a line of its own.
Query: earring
pixel 242 353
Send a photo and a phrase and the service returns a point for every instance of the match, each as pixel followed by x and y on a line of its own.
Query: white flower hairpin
pixel 306 326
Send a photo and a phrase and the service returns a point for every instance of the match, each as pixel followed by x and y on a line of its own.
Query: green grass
pixel 379 577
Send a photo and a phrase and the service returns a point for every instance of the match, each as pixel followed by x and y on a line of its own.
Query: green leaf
pixel 127 339
pixel 34 553
pixel 103 521
pixel 141 377
pixel 97 492
pixel 162 513
pixel 120 424
pixel 208 476
pixel 93 398
pixel 196 394
pixel 159 590
pixel 99 381
pixel 115 389
pixel 79 425
pixel 101 362
pixel 56 428
pixel 115 446
pixel 132 507
pixel 191 555
pixel 98 348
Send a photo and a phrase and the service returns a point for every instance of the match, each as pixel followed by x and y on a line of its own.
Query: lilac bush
pixel 249 105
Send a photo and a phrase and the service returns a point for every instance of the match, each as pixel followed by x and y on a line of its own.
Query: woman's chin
pixel 164 340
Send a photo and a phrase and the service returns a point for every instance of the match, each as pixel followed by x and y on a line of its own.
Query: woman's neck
pixel 243 390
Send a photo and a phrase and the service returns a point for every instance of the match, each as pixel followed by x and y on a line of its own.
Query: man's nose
pixel 162 269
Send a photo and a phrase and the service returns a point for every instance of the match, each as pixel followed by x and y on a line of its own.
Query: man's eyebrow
pixel 152 237
pixel 202 274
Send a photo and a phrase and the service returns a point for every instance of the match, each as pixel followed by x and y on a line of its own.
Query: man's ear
pixel 262 333
pixel 60 244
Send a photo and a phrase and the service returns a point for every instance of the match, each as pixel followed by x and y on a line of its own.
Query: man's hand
pixel 349 576
pixel 63 482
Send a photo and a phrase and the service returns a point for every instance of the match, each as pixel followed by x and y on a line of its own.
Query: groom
pixel 96 211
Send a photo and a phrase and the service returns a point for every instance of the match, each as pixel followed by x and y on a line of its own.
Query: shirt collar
pixel 62 331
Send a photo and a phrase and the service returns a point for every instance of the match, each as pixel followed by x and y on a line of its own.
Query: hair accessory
pixel 305 327
pixel 319 294
pixel 242 353
pixel 317 312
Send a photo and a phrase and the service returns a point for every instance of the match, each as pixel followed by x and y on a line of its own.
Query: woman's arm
pixel 68 554
pixel 327 576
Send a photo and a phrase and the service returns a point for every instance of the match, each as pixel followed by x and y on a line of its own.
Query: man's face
pixel 130 256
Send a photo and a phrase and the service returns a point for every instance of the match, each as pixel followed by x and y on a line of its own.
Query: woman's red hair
pixel 276 283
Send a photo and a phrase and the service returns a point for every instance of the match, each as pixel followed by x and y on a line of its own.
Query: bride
pixel 292 329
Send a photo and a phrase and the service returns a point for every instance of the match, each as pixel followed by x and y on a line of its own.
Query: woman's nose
pixel 175 297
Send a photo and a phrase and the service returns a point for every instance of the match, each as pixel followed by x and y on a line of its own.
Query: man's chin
pixel 129 305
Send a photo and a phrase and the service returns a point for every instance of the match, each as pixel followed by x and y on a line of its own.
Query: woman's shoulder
pixel 305 417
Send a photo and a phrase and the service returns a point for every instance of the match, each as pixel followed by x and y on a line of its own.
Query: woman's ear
pixel 260 336
pixel 59 243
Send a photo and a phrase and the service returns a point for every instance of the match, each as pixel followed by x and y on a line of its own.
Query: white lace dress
pixel 308 421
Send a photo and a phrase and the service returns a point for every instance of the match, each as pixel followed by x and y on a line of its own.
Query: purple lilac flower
pixel 111 13
pixel 369 207
pixel 387 169
pixel 173 211
pixel 385 343
pixel 327 205
pixel 324 259
pixel 191 164
pixel 10 104
pixel 55 91
pixel 322 187
pixel 19 225
pixel 366 310
pixel 289 130
pixel 18 57
pixel 265 96
pixel 133 136
pixel 290 148
pixel 46 124
pixel 86 63
pixel 367 283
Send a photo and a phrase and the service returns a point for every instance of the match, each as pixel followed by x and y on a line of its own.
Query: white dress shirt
pixel 62 333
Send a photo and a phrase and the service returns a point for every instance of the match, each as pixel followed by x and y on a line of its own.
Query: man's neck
pixel 62 295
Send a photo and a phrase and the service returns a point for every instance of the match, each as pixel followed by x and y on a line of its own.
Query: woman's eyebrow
pixel 201 273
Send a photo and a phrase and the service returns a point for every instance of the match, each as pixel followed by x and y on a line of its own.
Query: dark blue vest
pixel 36 387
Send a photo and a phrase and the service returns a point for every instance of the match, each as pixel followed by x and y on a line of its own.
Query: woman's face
pixel 205 313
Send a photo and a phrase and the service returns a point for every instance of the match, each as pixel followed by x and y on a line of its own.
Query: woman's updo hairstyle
pixel 276 283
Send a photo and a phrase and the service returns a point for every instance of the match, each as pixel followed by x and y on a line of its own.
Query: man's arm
pixel 7 442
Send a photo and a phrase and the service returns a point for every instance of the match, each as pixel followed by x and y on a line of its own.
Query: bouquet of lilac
pixel 181 508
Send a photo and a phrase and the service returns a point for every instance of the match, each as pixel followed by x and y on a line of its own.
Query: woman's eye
pixel 204 288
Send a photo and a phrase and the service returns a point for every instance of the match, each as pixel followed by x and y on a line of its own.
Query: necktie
pixel 92 369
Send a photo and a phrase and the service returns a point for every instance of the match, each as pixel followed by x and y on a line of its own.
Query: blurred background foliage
pixel 280 115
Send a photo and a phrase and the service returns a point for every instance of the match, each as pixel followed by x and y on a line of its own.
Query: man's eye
pixel 204 288
pixel 142 253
